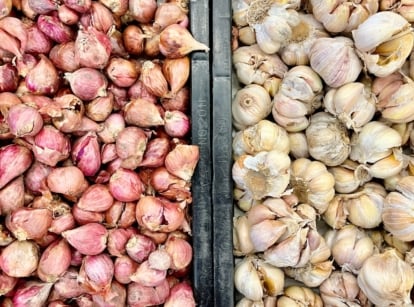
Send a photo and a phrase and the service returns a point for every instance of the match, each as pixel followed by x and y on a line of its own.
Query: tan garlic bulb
pixel 403 7
pixel 395 95
pixel 353 104
pixel 296 50
pixel 343 16
pixel 350 247
pixel 338 50
pixel 263 136
pixel 349 176
pixel 262 175
pixel 375 141
pixel 297 296
pixel 386 279
pixel 252 65
pixel 328 139
pixel 385 51
pixel 398 213
pixel 250 105
pixel 311 275
pixel 312 183
pixel 298 145
pixel 300 94
pixel 341 290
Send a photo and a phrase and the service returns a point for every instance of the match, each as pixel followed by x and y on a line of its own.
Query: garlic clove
pixel 389 166
pixel 247 280
pixel 266 233
pixel 336 213
pixel 273 278
pixel 313 274
pixel 298 296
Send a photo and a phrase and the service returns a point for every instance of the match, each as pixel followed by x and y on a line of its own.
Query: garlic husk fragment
pixel 398 210
pixel 385 51
pixel 327 139
pixel 353 104
pixel 312 183
pixel 343 16
pixel 349 176
pixel 405 8
pixel 341 290
pixel 300 94
pixel 386 279
pixel 296 50
pixel 252 65
pixel 350 247
pixel 313 274
pixel 262 175
pixel 339 50
pixel 375 141
pixel 250 105
pixel 263 136
pixel 298 145
pixel 298 296
pixel 395 94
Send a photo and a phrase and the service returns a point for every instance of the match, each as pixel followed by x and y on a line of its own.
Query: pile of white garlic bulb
pixel 323 150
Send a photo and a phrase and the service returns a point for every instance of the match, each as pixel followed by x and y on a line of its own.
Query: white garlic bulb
pixel 297 296
pixel 343 16
pixel 313 274
pixel 328 139
pixel 385 51
pixel 296 49
pixel 264 174
pixel 298 145
pixel 250 105
pixel 263 136
pixel 353 104
pixel 335 60
pixel 350 247
pixel 398 210
pixel 386 280
pixel 312 183
pixel 349 176
pixel 252 65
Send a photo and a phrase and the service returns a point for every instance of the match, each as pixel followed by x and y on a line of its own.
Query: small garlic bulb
pixel 250 105
pixel 335 60
pixel 252 65
pixel 300 93
pixel 263 136
pixel 313 274
pixel 328 139
pixel 262 175
pixel 375 141
pixel 353 104
pixel 349 176
pixel 297 296
pixel 312 183
pixel 341 290
pixel 343 16
pixel 403 7
pixel 386 279
pixel 296 50
pixel 385 51
pixel 350 247
pixel 298 145
pixel 398 212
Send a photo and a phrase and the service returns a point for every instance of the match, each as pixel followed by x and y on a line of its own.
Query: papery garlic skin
pixel 264 174
pixel 328 139
pixel 386 279
pixel 339 50
pixel 353 104
pixel 343 16
pixel 384 52
pixel 298 296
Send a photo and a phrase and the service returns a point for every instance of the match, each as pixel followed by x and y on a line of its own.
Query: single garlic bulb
pixel 395 94
pixel 313 274
pixel 296 50
pixel 375 141
pixel 385 51
pixel 341 290
pixel 263 136
pixel 350 247
pixel 328 139
pixel 398 210
pixel 386 279
pixel 403 7
pixel 312 183
pixel 300 93
pixel 297 296
pixel 349 176
pixel 250 105
pixel 353 104
pixel 298 145
pixel 252 65
pixel 264 174
pixel 335 60
pixel 343 16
